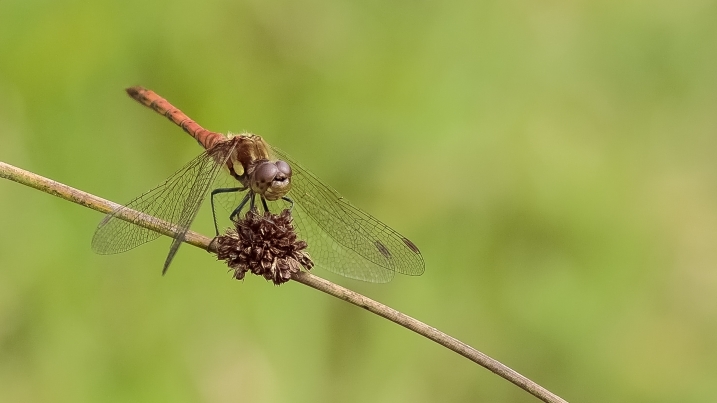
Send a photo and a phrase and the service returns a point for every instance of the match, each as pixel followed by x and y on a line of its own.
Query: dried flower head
pixel 265 245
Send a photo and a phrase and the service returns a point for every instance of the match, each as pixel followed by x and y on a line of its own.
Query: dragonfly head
pixel 271 179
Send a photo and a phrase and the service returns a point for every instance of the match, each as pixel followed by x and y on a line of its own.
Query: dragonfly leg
pixel 251 202
pixel 217 191
pixel 263 202
pixel 291 208
pixel 237 210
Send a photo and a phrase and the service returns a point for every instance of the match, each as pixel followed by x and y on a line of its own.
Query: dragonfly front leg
pixel 251 201
pixel 249 195
pixel 291 208
pixel 216 192
pixel 263 202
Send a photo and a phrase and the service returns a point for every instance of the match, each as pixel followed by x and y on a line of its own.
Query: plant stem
pixel 105 206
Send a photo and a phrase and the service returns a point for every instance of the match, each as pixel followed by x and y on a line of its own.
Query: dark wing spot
pixel 383 249
pixel 411 245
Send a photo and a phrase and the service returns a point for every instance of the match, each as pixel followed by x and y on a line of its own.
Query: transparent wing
pixel 344 239
pixel 226 202
pixel 175 202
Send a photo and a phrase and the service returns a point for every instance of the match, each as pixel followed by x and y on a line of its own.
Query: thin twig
pixel 105 206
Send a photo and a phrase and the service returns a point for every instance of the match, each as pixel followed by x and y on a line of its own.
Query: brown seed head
pixel 265 245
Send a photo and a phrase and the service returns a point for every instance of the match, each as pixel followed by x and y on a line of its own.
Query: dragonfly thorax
pixel 270 179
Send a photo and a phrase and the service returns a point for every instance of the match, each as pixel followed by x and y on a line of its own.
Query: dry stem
pixel 201 241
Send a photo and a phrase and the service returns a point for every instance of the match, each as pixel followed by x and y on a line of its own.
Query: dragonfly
pixel 341 238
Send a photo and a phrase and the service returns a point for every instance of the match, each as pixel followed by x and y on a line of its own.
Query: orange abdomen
pixel 206 138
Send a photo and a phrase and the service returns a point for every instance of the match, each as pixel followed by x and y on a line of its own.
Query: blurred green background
pixel 556 162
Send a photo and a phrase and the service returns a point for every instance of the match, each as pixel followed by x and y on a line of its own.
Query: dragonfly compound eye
pixel 284 168
pixel 281 182
pixel 271 180
pixel 264 174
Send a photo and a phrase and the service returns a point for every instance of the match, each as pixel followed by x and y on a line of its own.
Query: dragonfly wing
pixel 230 200
pixel 197 193
pixel 174 203
pixel 344 239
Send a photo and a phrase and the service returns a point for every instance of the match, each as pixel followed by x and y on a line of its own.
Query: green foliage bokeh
pixel 555 162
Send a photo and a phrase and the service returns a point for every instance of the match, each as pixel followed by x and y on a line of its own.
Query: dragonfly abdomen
pixel 150 99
